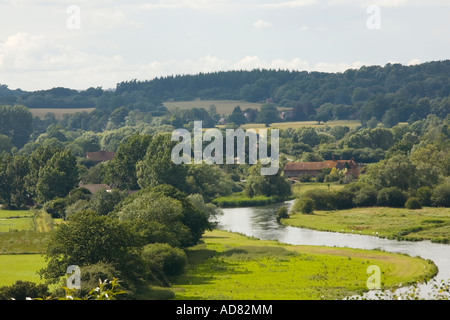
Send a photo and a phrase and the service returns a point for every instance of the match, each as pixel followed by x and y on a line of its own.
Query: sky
pixel 79 44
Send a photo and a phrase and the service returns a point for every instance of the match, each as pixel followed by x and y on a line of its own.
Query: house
pixel 100 156
pixel 294 169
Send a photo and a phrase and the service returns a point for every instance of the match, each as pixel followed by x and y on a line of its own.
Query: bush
pixel 341 199
pixel 366 197
pixel 282 213
pixel 21 290
pixel 424 195
pixel 413 203
pixel 56 208
pixel 170 260
pixel 441 195
pixel 304 205
pixel 391 197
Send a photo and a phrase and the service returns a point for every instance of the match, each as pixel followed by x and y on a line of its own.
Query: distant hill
pixel 395 90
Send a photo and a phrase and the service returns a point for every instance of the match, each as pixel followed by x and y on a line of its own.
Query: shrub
pixel 282 213
pixel 413 203
pixel 365 197
pixel 170 260
pixel 341 199
pixel 56 208
pixel 391 197
pixel 306 205
pixel 21 290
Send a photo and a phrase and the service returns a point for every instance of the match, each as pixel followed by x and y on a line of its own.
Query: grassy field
pixel 23 238
pixel 223 107
pixel 232 266
pixel 59 113
pixel 20 267
pixel 15 220
pixel 300 188
pixel 401 223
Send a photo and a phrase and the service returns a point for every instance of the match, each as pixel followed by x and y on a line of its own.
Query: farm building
pixel 294 169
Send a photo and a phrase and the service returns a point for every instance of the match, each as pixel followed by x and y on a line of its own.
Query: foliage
pixel 441 195
pixel 157 166
pixel 106 290
pixel 16 123
pixel 282 213
pixel 161 256
pixel 413 203
pixel 304 205
pixel 23 290
pixel 88 239
pixel 391 197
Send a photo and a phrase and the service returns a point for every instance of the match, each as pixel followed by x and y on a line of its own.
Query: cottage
pixel 294 169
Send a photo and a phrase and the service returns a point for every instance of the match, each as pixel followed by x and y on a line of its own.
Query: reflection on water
pixel 260 222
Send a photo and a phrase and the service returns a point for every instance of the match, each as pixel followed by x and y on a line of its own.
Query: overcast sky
pixel 97 43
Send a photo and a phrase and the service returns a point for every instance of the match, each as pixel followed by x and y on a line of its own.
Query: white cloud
pixel 261 24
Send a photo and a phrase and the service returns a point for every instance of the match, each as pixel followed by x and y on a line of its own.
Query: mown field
pixel 230 266
pixel 395 223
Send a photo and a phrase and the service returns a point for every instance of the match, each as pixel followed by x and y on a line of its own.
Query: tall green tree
pixel 16 123
pixel 121 171
pixel 57 177
pixel 157 166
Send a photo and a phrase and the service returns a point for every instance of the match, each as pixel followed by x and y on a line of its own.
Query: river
pixel 260 222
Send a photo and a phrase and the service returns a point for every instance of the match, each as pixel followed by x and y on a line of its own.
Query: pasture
pixel 427 223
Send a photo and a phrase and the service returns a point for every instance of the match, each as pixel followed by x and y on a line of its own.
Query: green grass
pixel 401 223
pixel 23 242
pixel 12 220
pixel 300 188
pixel 235 267
pixel 240 200
pixel 20 267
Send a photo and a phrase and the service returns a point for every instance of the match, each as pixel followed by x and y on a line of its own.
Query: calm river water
pixel 260 222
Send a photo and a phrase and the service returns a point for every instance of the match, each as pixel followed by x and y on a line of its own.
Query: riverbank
pixel 233 266
pixel 392 223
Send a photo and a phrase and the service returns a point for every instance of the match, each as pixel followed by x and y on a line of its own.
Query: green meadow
pixel 398 223
pixel 23 237
pixel 230 266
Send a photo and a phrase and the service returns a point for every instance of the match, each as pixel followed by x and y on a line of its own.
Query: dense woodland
pixel 42 161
